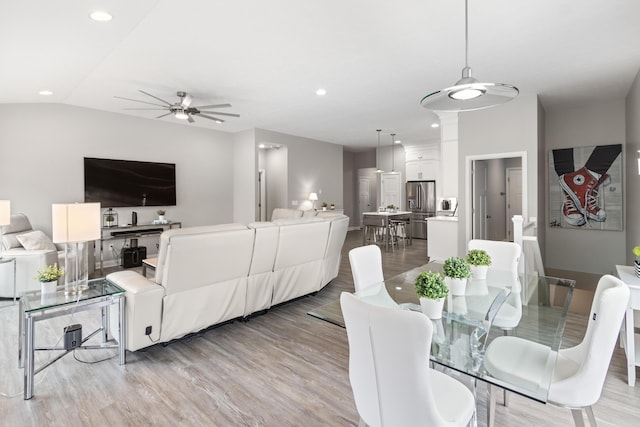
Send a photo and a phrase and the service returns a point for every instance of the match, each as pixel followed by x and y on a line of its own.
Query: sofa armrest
pixel 27 265
pixel 143 308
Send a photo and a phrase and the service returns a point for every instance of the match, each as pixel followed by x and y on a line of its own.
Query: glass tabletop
pixel 537 304
pixel 35 300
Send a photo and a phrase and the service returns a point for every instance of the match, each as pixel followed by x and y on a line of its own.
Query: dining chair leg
pixel 491 405
pixel 591 416
pixel 578 419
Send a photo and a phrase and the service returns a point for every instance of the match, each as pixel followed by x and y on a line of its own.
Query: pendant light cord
pixel 466 33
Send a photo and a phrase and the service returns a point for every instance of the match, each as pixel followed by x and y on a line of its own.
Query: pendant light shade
pixel 468 93
pixel 378 170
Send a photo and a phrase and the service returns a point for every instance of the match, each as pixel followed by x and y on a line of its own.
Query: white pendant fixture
pixel 378 170
pixel 468 93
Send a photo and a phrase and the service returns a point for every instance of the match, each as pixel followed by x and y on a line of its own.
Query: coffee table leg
pixel 20 334
pixel 28 369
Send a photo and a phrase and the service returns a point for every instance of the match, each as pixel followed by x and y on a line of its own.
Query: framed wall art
pixel 585 187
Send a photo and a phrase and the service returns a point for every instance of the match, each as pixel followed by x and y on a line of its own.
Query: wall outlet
pixel 147 330
pixel 110 246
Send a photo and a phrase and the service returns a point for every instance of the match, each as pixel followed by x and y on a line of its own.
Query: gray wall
pixel 352 163
pixel 245 177
pixel 632 190
pixel 506 128
pixel 313 166
pixel 592 251
pixel 43 146
pixel 275 167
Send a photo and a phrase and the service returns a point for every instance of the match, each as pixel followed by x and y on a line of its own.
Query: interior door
pixel 391 189
pixel 364 195
pixel 514 198
pixel 479 189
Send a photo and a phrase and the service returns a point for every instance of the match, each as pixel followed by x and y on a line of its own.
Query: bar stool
pixel 399 231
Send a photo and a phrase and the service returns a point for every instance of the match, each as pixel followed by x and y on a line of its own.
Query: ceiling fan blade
pixel 211 118
pixel 190 119
pixel 156 109
pixel 163 115
pixel 153 96
pixel 213 106
pixel 221 114
pixel 137 100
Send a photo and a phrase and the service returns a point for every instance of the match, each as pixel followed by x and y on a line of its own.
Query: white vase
pixel 479 271
pixel 456 286
pixel 432 308
pixel 48 287
pixel 160 217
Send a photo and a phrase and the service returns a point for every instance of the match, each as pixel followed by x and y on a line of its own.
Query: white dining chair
pixel 504 258
pixel 580 371
pixel 368 279
pixel 389 370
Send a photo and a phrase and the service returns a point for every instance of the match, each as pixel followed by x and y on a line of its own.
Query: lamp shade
pixel 313 196
pixel 5 212
pixel 75 222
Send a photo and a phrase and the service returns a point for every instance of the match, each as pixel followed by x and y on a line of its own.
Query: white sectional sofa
pixel 208 275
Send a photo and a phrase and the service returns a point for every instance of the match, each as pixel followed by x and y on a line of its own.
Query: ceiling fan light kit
pixel 182 109
pixel 468 93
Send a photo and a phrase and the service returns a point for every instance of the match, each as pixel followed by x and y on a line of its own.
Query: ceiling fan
pixel 182 109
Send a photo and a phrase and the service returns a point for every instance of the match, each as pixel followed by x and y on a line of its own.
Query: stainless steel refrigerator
pixel 421 202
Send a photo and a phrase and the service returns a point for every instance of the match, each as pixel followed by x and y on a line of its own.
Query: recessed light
pixel 45 92
pixel 261 146
pixel 101 16
pixel 218 121
pixel 321 92
pixel 397 141
pixel 435 125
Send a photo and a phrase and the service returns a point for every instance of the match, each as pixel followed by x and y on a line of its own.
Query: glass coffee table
pixel 35 306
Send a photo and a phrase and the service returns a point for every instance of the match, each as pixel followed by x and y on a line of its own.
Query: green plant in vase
pixel 431 290
pixel 479 262
pixel 48 277
pixel 456 271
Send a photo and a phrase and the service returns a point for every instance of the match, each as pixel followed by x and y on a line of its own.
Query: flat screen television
pixel 121 183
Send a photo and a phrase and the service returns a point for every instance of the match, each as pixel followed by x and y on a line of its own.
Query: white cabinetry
pixel 422 162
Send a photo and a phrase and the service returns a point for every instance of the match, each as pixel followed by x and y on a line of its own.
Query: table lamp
pixel 75 223
pixel 313 197
pixel 5 216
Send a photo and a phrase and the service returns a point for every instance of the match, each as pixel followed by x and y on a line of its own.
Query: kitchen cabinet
pixel 420 170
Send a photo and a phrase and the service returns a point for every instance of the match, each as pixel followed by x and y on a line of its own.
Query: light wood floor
pixel 283 368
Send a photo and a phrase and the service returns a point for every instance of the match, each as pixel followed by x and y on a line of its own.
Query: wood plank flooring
pixel 283 368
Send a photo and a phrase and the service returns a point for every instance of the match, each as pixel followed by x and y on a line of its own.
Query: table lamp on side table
pixel 75 223
pixel 313 197
pixel 5 216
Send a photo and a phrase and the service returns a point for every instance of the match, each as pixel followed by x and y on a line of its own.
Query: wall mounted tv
pixel 120 183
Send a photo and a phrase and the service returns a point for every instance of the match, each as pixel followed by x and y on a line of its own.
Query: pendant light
pixel 378 170
pixel 393 150
pixel 468 93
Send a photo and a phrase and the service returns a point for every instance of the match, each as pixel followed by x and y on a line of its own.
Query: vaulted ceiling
pixel 375 58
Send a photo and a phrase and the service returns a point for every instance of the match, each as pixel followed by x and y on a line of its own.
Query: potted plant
pixel 479 262
pixel 48 277
pixel 391 208
pixel 324 206
pixel 332 207
pixel 161 213
pixel 456 272
pixel 636 262
pixel 431 290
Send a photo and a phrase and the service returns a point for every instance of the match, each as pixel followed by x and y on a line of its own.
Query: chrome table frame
pixel 34 307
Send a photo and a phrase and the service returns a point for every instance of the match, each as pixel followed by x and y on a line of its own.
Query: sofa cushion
pixel 309 213
pixel 281 213
pixel 36 240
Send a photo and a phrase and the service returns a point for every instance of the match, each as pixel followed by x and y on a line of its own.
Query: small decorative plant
pixel 430 285
pixel 49 273
pixel 478 257
pixel 456 268
pixel 161 211
pixel 324 204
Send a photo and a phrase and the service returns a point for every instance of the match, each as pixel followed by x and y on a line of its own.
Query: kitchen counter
pixel 443 237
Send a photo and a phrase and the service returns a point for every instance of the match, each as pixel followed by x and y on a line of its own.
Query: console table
pixel 132 231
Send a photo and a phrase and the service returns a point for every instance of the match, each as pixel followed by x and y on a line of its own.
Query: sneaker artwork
pixel 571 214
pixel 581 187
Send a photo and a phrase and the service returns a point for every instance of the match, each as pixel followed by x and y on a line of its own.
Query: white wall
pixel 508 128
pixel 43 146
pixel 313 166
pixel 245 177
pixel 276 176
pixel 592 251
pixel 632 191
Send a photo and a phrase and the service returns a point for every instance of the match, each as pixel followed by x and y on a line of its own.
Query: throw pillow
pixel 36 240
pixel 9 241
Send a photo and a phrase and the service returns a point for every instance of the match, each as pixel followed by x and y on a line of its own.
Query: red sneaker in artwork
pixel 582 187
pixel 572 215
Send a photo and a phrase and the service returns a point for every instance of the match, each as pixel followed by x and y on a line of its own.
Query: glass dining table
pixel 462 334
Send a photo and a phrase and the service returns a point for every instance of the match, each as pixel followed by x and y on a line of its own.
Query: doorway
pixel 495 192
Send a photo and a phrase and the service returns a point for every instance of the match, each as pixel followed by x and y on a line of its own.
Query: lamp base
pixel 75 290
